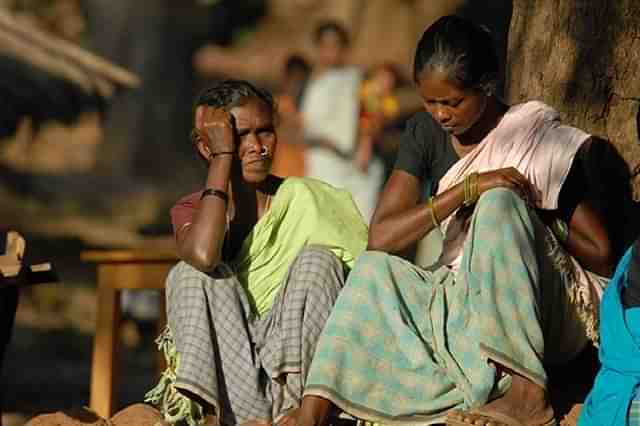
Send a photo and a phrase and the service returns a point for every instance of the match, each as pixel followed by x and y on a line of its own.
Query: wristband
pixel 215 154
pixel 216 193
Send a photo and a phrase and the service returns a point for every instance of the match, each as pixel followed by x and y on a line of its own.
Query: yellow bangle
pixel 434 218
pixel 471 192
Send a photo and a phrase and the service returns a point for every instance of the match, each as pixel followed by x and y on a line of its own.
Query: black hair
pixel 232 93
pixel 296 62
pixel 331 26
pixel 460 49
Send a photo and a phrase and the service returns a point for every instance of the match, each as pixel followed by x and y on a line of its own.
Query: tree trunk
pixel 581 57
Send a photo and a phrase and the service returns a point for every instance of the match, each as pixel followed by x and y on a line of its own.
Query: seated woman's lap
pixel 415 322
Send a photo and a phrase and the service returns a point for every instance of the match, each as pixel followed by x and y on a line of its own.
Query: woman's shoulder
pixel 535 108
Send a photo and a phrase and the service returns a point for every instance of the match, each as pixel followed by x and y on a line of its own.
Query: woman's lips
pixel 257 160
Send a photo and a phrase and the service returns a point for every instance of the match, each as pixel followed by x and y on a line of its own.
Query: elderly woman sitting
pixel 263 261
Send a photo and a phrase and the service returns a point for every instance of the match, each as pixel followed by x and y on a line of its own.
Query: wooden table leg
pixel 103 372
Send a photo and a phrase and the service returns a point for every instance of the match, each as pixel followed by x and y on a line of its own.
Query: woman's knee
pixel 372 257
pixel 499 198
pixel 318 257
pixel 319 267
pixel 185 278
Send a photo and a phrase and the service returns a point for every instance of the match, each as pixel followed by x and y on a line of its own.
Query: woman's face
pixel 331 50
pixel 255 138
pixel 456 108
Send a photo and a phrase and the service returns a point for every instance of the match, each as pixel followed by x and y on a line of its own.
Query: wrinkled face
pixel 255 139
pixel 456 108
pixel 330 50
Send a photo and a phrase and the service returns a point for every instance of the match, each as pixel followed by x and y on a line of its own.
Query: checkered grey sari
pixel 245 367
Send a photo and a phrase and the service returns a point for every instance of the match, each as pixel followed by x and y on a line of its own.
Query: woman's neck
pixel 252 201
pixel 489 120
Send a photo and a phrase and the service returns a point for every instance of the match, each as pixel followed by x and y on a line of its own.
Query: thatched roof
pixel 46 77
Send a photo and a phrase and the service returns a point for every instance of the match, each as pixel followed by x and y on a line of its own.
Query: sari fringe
pixel 175 406
pixel 577 292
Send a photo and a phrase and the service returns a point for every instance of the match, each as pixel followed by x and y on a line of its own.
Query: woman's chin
pixel 253 177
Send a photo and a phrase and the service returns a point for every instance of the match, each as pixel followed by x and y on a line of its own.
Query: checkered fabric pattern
pixel 244 366
pixel 634 413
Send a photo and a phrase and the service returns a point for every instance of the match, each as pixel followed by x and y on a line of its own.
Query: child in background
pixel 289 159
pixel 378 106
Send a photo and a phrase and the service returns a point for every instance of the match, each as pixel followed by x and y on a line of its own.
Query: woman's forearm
pixel 200 243
pixel 398 232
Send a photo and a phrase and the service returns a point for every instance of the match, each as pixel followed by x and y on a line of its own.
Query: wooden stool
pixel 131 269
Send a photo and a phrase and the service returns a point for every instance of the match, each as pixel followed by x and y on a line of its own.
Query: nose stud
pixel 264 152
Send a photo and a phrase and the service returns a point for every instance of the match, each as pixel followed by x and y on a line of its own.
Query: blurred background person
pixel 330 112
pixel 289 159
pixel 379 112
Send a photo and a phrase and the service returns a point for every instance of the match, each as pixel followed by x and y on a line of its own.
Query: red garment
pixel 183 211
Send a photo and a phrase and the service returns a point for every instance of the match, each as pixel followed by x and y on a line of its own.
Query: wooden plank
pixel 137 276
pixel 103 372
pixel 162 255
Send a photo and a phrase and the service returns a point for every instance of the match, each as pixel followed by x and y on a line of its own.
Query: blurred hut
pixel 54 91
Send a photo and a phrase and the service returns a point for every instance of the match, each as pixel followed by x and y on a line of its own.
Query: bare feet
pixel 524 403
pixel 257 422
pixel 314 411
pixel 290 418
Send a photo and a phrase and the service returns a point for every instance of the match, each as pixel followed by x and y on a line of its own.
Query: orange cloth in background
pixel 289 159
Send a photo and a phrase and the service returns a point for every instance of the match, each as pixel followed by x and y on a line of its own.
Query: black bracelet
pixel 215 154
pixel 216 193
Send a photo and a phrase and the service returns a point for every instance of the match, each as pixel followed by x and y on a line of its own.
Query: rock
pixel 74 417
pixel 138 415
pixel 133 415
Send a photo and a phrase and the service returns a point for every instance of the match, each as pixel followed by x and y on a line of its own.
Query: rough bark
pixel 582 57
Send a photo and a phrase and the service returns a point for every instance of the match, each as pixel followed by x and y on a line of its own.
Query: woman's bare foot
pixel 290 418
pixel 525 402
pixel 257 422
pixel 314 411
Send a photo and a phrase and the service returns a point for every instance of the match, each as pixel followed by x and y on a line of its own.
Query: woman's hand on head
pixel 512 179
pixel 215 127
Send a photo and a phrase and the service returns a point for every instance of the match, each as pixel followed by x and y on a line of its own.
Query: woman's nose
pixel 442 115
pixel 254 142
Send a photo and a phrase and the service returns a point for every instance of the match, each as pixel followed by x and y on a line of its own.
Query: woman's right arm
pixel 200 242
pixel 401 219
